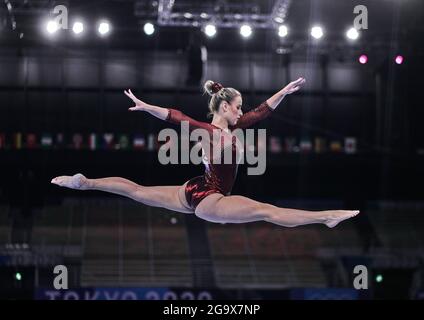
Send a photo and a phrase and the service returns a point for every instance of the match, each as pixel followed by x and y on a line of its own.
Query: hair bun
pixel 216 87
pixel 212 87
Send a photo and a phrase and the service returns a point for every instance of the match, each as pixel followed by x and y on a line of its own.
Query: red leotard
pixel 218 177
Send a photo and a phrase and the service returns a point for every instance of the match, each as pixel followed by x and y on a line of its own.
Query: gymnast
pixel 209 196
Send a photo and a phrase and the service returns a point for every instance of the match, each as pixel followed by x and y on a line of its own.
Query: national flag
pixel 77 141
pixel 2 141
pixel 151 143
pixel 319 145
pixel 93 141
pixel 108 141
pixel 31 141
pixel 124 142
pixel 335 146
pixel 290 144
pixel 60 140
pixel 17 140
pixel 275 144
pixel 46 140
pixel 350 145
pixel 139 142
pixel 305 145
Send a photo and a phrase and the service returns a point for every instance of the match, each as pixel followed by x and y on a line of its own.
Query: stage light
pixel 278 20
pixel 352 34
pixel 104 28
pixel 363 59
pixel 282 31
pixel 52 26
pixel 18 276
pixel 379 278
pixel 210 30
pixel 149 28
pixel 78 27
pixel 246 31
pixel 317 32
pixel 399 59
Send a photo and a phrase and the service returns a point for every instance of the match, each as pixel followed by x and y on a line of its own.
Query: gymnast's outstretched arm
pixel 265 109
pixel 158 112
pixel 168 114
pixel 292 87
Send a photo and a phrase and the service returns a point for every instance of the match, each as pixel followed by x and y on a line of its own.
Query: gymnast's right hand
pixel 139 105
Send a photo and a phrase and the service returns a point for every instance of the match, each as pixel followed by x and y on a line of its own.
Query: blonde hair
pixel 223 94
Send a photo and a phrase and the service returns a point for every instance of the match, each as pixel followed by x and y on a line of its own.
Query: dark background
pixel 64 84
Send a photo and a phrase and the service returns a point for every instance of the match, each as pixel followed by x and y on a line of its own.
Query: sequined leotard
pixel 219 176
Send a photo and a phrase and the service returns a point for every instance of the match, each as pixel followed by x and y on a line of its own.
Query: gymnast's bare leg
pixel 215 207
pixel 238 209
pixel 169 197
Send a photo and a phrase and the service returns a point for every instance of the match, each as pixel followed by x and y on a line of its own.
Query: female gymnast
pixel 208 196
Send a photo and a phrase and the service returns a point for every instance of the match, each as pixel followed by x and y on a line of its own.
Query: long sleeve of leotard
pixel 176 117
pixel 255 115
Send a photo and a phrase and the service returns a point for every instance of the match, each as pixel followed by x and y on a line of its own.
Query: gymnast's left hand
pixel 294 86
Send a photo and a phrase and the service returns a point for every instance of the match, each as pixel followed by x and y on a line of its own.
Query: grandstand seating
pixel 5 225
pixel 123 243
pixel 264 255
pixel 399 226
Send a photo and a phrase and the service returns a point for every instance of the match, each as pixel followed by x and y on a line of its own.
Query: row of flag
pixel 110 141
pixel 316 145
pixel 77 141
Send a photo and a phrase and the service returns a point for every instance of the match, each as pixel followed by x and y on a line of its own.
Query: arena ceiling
pixel 389 22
